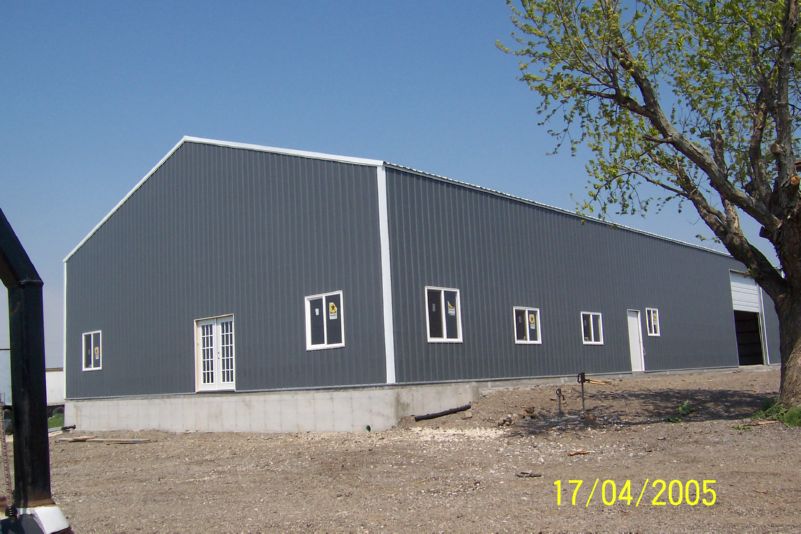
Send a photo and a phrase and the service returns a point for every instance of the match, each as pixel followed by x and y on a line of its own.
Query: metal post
pixel 26 333
pixel 31 446
pixel 581 378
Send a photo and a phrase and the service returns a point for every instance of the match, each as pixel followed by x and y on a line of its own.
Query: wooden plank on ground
pixel 76 439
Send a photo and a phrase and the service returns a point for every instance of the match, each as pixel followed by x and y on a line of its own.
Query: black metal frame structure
pixel 26 332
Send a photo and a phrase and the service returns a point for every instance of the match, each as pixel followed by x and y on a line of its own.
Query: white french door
pixel 215 354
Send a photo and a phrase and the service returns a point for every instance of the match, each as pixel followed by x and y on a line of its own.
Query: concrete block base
pixel 345 410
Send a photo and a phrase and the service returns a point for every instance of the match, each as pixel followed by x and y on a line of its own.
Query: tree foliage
pixel 690 101
pixel 698 98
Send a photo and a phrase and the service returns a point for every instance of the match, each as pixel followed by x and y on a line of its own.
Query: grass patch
pixel 773 410
pixel 792 417
pixel 57 421
pixel 684 409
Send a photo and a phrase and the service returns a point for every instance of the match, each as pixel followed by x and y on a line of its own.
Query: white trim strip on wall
pixel 386 273
pixel 64 334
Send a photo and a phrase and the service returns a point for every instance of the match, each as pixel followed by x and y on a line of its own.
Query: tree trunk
pixel 789 312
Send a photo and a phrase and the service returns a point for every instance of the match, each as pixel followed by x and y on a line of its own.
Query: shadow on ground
pixel 609 409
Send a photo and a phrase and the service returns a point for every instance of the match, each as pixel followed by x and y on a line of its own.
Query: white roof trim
pixel 228 144
pixel 285 151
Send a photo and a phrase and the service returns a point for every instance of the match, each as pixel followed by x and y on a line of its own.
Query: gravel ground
pixel 491 469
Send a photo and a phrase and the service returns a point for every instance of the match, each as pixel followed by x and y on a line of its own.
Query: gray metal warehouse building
pixel 242 287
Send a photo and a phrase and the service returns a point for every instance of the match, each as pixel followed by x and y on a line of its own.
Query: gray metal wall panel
pixel 501 253
pixel 216 231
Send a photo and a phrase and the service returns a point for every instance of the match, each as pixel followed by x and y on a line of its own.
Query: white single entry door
pixel 215 354
pixel 635 342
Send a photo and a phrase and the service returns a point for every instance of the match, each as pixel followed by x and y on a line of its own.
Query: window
pixel 592 328
pixel 652 321
pixel 527 325
pixel 215 353
pixel 92 351
pixel 325 324
pixel 443 315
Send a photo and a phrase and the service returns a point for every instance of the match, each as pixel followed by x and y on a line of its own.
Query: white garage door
pixel 744 293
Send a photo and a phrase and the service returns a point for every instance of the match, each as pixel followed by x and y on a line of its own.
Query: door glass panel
pixel 433 298
pixel 227 351
pixel 316 323
pixel 207 353
pixel 451 315
pixel 333 316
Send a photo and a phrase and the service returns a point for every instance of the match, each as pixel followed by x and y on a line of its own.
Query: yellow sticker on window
pixel 332 311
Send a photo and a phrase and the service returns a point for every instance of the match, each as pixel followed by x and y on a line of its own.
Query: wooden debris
pixel 596 381
pixel 528 474
pixel 760 422
pixel 76 439
pixel 442 413
pixel 95 439
pixel 120 441
pixel 580 452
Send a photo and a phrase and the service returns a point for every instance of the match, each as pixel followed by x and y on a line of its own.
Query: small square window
pixel 443 315
pixel 592 330
pixel 652 321
pixel 527 325
pixel 325 322
pixel 92 351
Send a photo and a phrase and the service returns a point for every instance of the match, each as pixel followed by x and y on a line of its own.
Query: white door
pixel 635 341
pixel 746 296
pixel 215 354
pixel 744 293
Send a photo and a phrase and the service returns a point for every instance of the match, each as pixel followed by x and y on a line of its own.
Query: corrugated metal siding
pixel 218 231
pixel 501 253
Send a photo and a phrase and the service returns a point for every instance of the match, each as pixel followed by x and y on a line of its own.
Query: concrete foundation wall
pixel 339 410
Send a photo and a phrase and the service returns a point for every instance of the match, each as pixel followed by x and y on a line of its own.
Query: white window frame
pixel 527 341
pixel 652 326
pixel 341 311
pixel 442 291
pixel 218 384
pixel 83 350
pixel 592 328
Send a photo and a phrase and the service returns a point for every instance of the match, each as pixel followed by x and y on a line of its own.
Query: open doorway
pixel 749 337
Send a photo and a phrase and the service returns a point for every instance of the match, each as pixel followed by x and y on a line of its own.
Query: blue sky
pixel 93 94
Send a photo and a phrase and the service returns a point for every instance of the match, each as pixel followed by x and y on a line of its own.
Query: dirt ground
pixel 463 472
